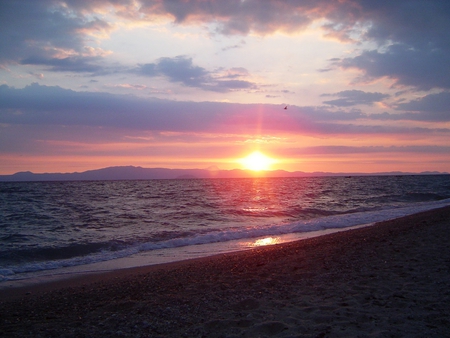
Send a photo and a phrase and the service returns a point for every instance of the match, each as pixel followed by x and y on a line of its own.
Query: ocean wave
pixel 108 251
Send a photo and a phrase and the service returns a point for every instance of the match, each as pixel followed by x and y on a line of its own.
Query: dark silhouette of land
pixel 139 173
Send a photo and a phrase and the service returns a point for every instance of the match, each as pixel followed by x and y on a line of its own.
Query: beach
pixel 391 279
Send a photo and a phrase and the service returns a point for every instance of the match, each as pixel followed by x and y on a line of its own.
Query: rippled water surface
pixel 44 221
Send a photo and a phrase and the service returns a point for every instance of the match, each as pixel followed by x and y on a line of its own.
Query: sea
pixel 65 228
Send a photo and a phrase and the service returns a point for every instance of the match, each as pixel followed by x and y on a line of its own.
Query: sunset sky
pixel 194 84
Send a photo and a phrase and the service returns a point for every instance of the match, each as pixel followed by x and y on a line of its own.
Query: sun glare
pixel 257 161
pixel 266 241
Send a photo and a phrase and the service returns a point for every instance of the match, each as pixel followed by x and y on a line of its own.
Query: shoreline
pixel 62 276
pixel 68 270
pixel 389 278
pixel 11 290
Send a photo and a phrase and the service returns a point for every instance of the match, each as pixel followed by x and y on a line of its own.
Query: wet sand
pixel 388 280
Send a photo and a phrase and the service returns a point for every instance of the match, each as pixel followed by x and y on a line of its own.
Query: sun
pixel 257 161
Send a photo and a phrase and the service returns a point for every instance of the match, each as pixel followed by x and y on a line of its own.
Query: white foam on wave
pixel 314 225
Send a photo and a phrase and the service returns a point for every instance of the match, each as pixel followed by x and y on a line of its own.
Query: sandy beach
pixel 388 280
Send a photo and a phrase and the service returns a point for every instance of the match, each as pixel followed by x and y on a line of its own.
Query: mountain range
pixel 139 173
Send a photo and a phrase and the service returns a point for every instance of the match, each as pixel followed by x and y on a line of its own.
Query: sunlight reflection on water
pixel 266 241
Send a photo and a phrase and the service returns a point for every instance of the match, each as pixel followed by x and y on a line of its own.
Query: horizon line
pixel 233 169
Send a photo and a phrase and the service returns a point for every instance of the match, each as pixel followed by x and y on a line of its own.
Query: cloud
pixel 129 86
pixel 43 32
pixel 54 106
pixel 236 46
pixel 412 43
pixel 431 108
pixel 178 69
pixel 44 105
pixel 422 149
pixel 422 69
pixel 413 48
pixel 439 103
pixel 236 17
pixel 181 69
pixel 349 98
pixel 38 76
pixel 70 64
pixel 235 72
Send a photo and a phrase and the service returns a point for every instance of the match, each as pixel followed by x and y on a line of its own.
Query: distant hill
pixel 139 173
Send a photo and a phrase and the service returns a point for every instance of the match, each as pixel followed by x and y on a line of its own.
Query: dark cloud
pixel 420 116
pixel 181 69
pixel 349 98
pixel 226 85
pixel 414 47
pixel 40 32
pixel 420 23
pixel 54 106
pixel 44 105
pixel 422 69
pixel 177 69
pixel 68 64
pixel 423 149
pixel 327 114
pixel 240 17
pixel 410 22
pixel 324 70
pixel 235 73
pixel 439 103
pixel 239 45
pixel 431 108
